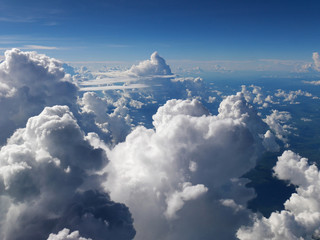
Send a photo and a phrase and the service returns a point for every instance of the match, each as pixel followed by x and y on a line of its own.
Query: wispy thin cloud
pixel 39 47
pixel 113 87
pixel 31 47
pixel 17 19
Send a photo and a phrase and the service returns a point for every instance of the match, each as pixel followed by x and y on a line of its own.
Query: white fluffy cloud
pixel 29 82
pixel 173 177
pixel 277 122
pixel 291 96
pixel 116 124
pixel 316 83
pixel 155 66
pixel 65 234
pixel 148 73
pixel 316 60
pixel 301 217
pixel 311 67
pixel 256 96
pixel 48 182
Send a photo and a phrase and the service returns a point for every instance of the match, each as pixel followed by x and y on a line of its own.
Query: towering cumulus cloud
pixel 155 66
pixel 47 183
pixel 181 179
pixel 301 217
pixel 29 82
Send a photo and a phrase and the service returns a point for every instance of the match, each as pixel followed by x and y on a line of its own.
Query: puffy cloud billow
pixel 177 178
pixel 116 125
pixel 29 82
pixel 153 67
pixel 74 166
pixel 301 217
pixel 48 183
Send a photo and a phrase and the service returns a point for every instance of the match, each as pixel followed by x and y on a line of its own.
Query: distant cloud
pixel 155 66
pixel 312 82
pixel 316 60
pixel 311 67
pixel 306 119
pixel 291 96
pixel 147 73
pixel 113 87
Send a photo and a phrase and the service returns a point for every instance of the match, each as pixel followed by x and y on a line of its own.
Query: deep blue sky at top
pixel 88 30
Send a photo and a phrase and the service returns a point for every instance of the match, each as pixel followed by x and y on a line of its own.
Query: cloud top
pixel 155 66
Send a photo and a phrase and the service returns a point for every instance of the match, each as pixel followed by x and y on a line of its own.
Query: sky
pixel 180 30
pixel 161 120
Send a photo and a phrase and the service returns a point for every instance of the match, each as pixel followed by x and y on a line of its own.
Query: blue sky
pixel 123 30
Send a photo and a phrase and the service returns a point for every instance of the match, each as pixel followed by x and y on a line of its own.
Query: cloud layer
pixel 91 165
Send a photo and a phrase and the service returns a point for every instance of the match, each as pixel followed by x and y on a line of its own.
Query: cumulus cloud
pixel 65 234
pixel 256 96
pixel 71 158
pixel 291 95
pixel 312 67
pixel 301 217
pixel 155 66
pixel 29 82
pixel 48 182
pixel 277 122
pixel 316 83
pixel 269 142
pixel 154 71
pixel 173 177
pixel 316 60
pixel 117 124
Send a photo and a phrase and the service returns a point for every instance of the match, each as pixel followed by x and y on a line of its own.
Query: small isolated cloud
pixel 312 82
pixel 306 119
